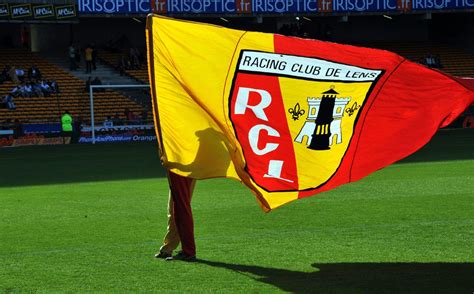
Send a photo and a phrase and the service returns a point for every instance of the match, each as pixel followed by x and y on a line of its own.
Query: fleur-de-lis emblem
pixel 296 111
pixel 351 110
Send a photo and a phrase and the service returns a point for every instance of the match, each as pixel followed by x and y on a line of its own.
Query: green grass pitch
pixel 89 219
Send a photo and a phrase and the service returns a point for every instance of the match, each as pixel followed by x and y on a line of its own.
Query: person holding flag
pixel 180 220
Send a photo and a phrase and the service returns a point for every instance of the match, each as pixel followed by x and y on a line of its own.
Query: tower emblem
pixel 323 123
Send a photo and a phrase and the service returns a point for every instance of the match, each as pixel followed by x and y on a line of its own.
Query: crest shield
pixel 295 116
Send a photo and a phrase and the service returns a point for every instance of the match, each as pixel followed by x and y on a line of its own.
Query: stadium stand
pixel 455 62
pixel 72 96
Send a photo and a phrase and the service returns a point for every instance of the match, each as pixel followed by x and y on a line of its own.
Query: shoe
pixel 182 256
pixel 163 255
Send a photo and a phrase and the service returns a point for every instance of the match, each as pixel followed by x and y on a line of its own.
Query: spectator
pixel 28 88
pixel 130 116
pixel 8 101
pixel 18 129
pixel 4 74
pixel 78 56
pixel 88 85
pixel 120 65
pixel 20 73
pixel 23 90
pixel 135 58
pixel 72 58
pixel 37 90
pixel 88 57
pixel 468 122
pixel 17 91
pixel 437 61
pixel 94 57
pixel 54 86
pixel 126 112
pixel 45 88
pixel 429 60
pixel 123 64
pixel 97 82
pixel 108 122
pixel 432 61
pixel 13 76
pixel 34 73
pixel 76 129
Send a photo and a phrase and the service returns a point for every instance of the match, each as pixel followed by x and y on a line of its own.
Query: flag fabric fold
pixel 288 117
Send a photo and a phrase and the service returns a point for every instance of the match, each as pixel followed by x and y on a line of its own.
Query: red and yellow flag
pixel 288 117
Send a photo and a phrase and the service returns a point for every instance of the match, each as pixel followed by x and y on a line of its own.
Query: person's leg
pixel 182 190
pixel 171 239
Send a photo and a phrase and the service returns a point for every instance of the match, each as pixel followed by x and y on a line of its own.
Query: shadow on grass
pixel 45 165
pixel 446 145
pixel 364 277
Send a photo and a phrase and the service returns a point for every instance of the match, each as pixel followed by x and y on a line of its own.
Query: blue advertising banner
pixel 202 6
pixel 392 5
pixel 241 7
pixel 196 6
pixel 119 138
pixel 442 4
pixel 284 6
pixel 114 6
pixel 42 129
pixel 362 5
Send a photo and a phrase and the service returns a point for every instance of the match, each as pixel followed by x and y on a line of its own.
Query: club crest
pixel 294 116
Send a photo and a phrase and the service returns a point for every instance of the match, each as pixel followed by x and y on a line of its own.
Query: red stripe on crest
pixel 263 131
